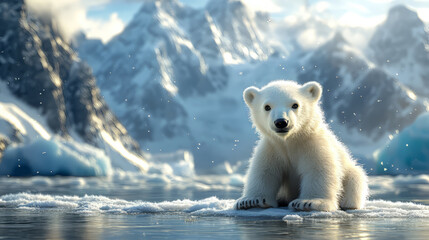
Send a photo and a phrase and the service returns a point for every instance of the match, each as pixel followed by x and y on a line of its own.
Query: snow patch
pixel 120 153
pixel 22 117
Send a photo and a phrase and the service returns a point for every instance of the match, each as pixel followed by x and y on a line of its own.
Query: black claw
pixel 257 201
pixel 263 201
pixel 293 204
pixel 309 205
pixel 298 205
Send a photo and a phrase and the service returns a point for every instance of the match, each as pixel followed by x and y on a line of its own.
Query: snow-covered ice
pixel 90 204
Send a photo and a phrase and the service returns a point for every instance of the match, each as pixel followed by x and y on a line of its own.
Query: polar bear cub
pixel 298 159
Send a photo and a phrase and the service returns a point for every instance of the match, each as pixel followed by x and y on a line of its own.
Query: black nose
pixel 281 123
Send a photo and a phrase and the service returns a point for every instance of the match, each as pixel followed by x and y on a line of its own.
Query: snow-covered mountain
pixel 175 78
pixel 228 30
pixel 47 90
pixel 400 45
pixel 166 75
pixel 362 102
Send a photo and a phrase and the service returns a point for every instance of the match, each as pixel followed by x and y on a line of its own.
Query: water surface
pixel 122 210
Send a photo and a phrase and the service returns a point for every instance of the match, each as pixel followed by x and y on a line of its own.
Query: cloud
pixel 275 6
pixel 264 6
pixel 352 19
pixel 423 14
pixel 104 30
pixel 321 7
pixel 313 25
pixel 310 38
pixel 71 17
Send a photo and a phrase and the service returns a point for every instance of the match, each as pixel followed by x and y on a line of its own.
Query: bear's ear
pixel 314 89
pixel 249 94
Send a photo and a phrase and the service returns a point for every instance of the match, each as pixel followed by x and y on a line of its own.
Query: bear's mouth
pixel 282 130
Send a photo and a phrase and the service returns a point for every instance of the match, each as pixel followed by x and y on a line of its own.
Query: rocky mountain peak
pixel 401 14
pixel 41 69
pixel 399 45
pixel 400 32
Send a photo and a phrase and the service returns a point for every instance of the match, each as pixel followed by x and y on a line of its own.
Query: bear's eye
pixel 295 106
pixel 267 108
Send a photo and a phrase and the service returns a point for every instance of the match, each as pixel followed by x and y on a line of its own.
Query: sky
pixel 104 19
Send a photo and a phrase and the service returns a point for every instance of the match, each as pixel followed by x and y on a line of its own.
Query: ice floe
pixel 212 206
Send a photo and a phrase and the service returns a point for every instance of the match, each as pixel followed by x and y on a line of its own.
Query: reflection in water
pixel 49 224
pixel 52 224
pixel 23 224
pixel 333 229
pixel 275 229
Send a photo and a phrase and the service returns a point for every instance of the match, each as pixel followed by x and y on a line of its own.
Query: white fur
pixel 306 167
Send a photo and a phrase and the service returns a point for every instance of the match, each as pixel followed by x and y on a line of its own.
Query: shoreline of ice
pixel 212 206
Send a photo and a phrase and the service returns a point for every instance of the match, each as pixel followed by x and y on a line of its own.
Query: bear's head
pixel 284 108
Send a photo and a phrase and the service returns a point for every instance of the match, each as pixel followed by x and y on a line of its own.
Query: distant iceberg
pixel 408 152
pixel 55 157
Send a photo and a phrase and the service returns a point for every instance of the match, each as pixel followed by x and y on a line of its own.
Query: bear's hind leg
pixel 355 189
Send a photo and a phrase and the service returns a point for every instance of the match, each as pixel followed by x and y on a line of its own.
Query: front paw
pixel 316 204
pixel 254 202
